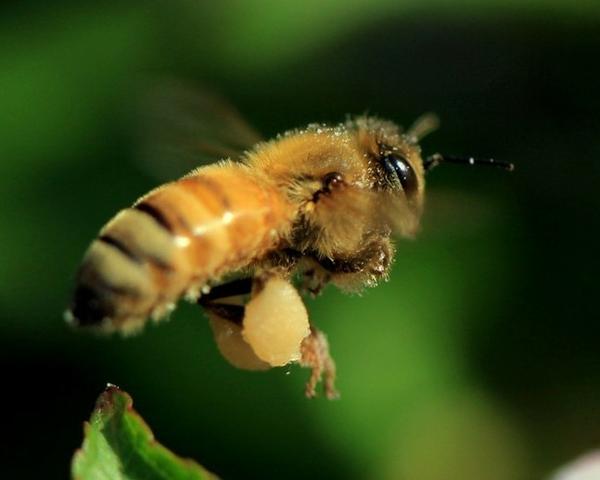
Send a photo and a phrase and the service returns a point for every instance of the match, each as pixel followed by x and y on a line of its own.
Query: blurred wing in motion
pixel 376 209
pixel 395 211
pixel 181 127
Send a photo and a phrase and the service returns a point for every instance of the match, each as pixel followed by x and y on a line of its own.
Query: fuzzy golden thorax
pixel 344 182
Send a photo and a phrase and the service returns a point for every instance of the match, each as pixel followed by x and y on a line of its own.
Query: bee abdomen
pixel 127 273
pixel 171 242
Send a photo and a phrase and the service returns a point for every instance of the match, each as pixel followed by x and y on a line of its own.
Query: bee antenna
pixel 434 160
pixel 423 126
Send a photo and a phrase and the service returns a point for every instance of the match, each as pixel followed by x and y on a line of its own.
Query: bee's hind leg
pixel 316 356
pixel 225 307
pixel 235 288
pixel 228 308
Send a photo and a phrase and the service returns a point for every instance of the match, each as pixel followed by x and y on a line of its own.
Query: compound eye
pixel 398 170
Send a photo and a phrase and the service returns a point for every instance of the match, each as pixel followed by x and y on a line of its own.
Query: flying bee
pixel 314 206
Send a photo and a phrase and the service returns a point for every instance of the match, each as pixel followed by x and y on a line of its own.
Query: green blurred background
pixel 478 360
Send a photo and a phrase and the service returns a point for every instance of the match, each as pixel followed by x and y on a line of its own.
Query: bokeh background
pixel 479 359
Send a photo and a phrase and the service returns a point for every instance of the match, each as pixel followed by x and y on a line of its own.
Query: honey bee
pixel 314 206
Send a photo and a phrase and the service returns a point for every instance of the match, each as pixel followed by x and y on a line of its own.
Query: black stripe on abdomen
pixel 156 214
pixel 214 188
pixel 120 246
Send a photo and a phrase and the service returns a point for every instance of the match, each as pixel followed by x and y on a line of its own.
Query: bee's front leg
pixel 314 278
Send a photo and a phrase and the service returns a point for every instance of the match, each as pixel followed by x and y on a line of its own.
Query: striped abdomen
pixel 172 241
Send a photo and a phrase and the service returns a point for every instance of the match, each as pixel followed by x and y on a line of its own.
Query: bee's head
pixel 396 170
pixel 399 168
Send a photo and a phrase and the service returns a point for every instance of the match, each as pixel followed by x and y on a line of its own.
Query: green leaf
pixel 118 445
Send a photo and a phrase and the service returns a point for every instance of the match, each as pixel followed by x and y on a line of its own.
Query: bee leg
pixel 314 348
pixel 314 280
pixel 367 267
pixel 258 338
pixel 240 286
pixel 226 310
pixel 232 313
pixel 232 310
pixel 316 356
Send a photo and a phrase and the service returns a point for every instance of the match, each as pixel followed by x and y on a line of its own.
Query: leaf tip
pixel 113 399
pixel 111 387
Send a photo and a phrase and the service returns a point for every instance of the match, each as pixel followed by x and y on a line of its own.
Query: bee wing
pixel 182 126
pixel 387 210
